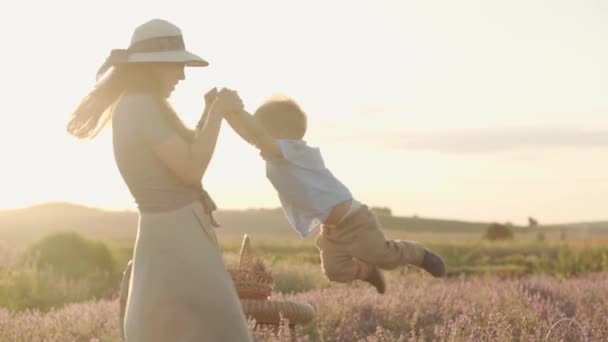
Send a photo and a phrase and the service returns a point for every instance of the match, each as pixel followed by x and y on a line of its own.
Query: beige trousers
pixel 179 289
pixel 350 249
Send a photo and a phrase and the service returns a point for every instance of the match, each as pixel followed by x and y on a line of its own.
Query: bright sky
pixel 471 109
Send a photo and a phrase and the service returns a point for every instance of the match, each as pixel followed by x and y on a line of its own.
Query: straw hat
pixel 154 41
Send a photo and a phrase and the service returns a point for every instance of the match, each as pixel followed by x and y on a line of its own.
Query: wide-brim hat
pixel 157 41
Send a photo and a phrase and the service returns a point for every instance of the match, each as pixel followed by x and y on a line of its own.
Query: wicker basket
pixel 271 311
pixel 252 285
pixel 251 279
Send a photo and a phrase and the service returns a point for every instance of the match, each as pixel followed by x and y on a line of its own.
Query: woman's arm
pixel 190 160
pixel 249 129
pixel 209 98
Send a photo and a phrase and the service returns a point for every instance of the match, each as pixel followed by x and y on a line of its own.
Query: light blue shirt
pixel 308 191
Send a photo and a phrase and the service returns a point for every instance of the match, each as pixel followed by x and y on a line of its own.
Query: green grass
pixel 465 257
pixel 294 263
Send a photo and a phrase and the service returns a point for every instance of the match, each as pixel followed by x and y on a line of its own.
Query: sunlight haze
pixel 471 110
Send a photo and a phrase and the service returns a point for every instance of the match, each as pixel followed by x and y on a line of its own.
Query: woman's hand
pixel 210 97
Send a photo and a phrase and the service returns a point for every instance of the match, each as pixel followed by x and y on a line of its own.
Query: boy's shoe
pixel 376 278
pixel 433 264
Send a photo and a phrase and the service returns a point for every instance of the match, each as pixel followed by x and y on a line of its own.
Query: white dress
pixel 179 288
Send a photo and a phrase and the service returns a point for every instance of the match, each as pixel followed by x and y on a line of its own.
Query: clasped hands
pixel 225 102
pixel 228 104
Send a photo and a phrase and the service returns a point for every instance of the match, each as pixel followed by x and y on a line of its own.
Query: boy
pixel 350 241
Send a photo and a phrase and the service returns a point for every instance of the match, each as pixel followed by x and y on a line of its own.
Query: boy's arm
pixel 240 127
pixel 245 125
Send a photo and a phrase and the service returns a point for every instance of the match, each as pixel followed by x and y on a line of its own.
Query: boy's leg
pixel 371 246
pixel 338 264
pixel 375 278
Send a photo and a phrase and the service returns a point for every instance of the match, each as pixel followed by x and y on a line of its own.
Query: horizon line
pixel 135 211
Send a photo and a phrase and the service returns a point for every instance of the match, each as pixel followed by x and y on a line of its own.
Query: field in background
pixel 495 290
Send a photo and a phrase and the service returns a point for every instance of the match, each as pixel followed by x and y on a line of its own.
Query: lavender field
pixel 495 291
pixel 415 308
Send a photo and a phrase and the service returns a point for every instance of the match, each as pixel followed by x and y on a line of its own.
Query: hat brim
pixel 178 56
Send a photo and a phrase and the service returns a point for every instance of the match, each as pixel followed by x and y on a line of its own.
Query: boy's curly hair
pixel 282 118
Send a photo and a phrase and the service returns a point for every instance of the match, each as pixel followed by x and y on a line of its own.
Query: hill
pixel 32 223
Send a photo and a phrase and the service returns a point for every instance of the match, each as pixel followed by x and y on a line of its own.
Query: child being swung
pixel 350 241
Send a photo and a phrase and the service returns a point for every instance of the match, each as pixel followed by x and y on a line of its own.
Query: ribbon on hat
pixel 117 56
pixel 156 44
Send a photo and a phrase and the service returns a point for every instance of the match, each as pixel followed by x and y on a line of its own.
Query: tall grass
pixel 61 268
pixel 32 288
pixel 295 266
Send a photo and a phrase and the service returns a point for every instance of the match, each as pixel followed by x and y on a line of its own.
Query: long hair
pixel 95 109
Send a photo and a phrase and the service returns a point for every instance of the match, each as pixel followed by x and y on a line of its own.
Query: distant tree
pixel 498 231
pixel 532 222
pixel 70 254
pixel 382 211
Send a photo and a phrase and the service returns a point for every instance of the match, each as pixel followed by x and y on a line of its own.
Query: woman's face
pixel 169 74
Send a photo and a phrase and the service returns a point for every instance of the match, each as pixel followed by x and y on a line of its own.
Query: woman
pixel 179 288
